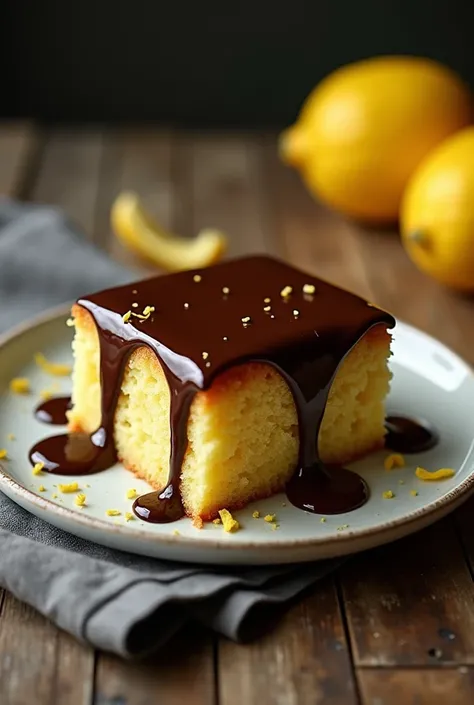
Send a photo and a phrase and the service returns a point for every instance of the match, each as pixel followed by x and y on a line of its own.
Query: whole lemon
pixel 366 127
pixel 437 214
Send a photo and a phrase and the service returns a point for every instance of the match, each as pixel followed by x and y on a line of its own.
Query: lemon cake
pixel 216 385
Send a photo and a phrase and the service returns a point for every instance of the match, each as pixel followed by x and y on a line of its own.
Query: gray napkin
pixel 116 601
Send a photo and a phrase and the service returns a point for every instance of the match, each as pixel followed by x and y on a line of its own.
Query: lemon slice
pixel 135 229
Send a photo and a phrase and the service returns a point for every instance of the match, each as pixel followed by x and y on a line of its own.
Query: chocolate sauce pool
pixel 205 323
pixel 406 435
pixel 53 411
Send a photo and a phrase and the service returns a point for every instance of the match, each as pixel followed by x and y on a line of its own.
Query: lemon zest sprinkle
pixel 414 493
pixel 37 468
pixel 20 385
pixel 131 493
pixel 441 474
pixel 80 499
pixel 42 488
pixel 395 460
pixel 256 514
pixel 129 516
pixel 269 518
pixel 68 488
pixel 113 512
pixel 52 368
pixel 3 453
pixel 388 494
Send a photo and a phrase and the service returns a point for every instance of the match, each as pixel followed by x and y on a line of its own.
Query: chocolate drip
pixel 53 411
pixel 204 324
pixel 406 435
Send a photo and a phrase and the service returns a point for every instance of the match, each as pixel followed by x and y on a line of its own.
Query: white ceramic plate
pixel 429 381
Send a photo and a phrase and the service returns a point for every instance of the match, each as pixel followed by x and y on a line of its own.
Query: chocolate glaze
pixel 304 336
pixel 53 411
pixel 406 435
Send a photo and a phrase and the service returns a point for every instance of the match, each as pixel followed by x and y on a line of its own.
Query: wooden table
pixel 394 626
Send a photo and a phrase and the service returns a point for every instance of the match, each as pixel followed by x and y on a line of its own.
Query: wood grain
pixel 416 687
pixel 181 673
pixel 412 603
pixel 69 175
pixel 18 143
pixel 303 661
pixel 39 663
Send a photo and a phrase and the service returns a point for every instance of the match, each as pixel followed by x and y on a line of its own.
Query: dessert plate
pixel 429 381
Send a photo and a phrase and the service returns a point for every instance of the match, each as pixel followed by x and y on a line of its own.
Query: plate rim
pixel 422 515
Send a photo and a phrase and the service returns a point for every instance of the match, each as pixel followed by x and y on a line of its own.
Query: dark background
pixel 206 63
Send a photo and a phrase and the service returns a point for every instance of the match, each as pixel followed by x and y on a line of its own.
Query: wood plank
pixel 69 175
pixel 18 143
pixel 39 663
pixel 180 673
pixel 150 163
pixel 304 660
pixel 416 687
pixel 412 603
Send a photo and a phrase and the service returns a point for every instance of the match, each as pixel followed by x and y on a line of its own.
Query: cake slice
pixel 222 380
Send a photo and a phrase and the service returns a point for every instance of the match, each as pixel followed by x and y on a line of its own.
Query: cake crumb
pixel 11 437
pixel 246 320
pixel 274 526
pixel 225 338
pixel 20 385
pixel 388 494
pixel 309 289
pixel 267 309
pixel 70 322
pixel 3 453
pixel 208 364
pixel 323 520
pixel 225 290
pixel 176 533
pixel 42 488
pixel 269 518
pixel 134 305
pixel 134 291
pixel 131 493
pixel 67 489
pixel 296 313
pixel 197 278
pixel 395 460
pixel 113 512
pixel 52 368
pixel 286 291
pixel 267 300
pixel 217 520
pixel 54 496
pixel 129 516
pixel 37 468
pixel 198 523
pixel 205 355
pixel 256 514
pixel 230 524
pixel 441 474
pixel 414 493
pixel 186 305
pixel 80 499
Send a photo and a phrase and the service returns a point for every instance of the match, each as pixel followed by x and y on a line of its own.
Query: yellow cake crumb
pixel 269 517
pixel 126 316
pixel 296 313
pixel 217 520
pixel 20 385
pixel 198 522
pixel 52 368
pixel 309 289
pixel 256 514
pixel 267 300
pixel 42 488
pixel 323 520
pixel 131 493
pixel 37 468
pixel 395 460
pixel 70 322
pixel 11 437
pixel 71 487
pixel 113 512
pixel 80 499
pixel 3 453
pixel 388 494
pixel 286 291
pixel 129 516
pixel 414 493
pixel 54 496
pixel 225 290
pixel 197 278
pixel 228 521
pixel 441 474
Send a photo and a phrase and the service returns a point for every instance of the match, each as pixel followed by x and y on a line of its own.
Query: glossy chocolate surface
pixel 207 321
